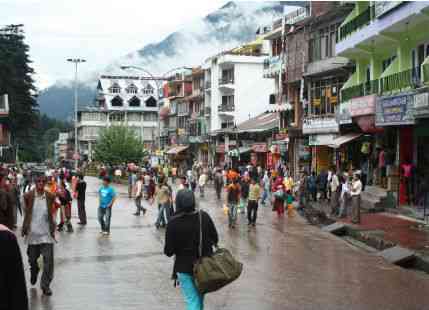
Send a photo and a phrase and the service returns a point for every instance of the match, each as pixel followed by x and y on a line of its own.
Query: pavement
pixel 288 264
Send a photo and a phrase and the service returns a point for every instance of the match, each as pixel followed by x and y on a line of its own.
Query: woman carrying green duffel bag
pixel 182 239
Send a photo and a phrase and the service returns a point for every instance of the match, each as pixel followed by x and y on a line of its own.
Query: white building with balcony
pixel 128 100
pixel 235 89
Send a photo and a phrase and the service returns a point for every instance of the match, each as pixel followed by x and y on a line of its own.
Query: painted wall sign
pixel 362 105
pixel 320 125
pixel 342 114
pixel 326 139
pixel 382 7
pixel 259 148
pixel 421 105
pixel 395 110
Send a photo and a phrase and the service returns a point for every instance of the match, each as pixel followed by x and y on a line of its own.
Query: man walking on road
pixel 39 228
pixel 81 194
pixel 252 206
pixel 356 190
pixel 139 196
pixel 107 196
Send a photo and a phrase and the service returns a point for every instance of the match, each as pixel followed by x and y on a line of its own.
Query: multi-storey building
pixel 386 98
pixel 63 147
pixel 128 100
pixel 235 89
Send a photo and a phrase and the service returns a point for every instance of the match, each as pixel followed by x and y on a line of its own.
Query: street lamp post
pixel 76 61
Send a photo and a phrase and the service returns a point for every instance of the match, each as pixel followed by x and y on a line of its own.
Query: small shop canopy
pixel 340 140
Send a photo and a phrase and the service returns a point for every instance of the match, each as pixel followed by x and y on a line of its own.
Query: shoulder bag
pixel 211 273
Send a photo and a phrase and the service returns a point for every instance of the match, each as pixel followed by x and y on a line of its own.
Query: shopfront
pixel 259 154
pixel 321 134
pixel 396 115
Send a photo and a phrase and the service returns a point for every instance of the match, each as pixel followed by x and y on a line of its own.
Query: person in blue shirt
pixel 107 196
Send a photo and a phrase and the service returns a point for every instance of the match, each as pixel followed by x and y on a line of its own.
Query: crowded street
pixel 288 264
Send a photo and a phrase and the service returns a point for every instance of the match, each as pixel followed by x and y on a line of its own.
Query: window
pixel 134 117
pixel 151 102
pixel 148 90
pixel 368 73
pixel 228 76
pixel 115 89
pixel 322 43
pixel 150 117
pixel 324 96
pixel 134 102
pixel 228 100
pixel 117 117
pixel 131 89
pixel 90 132
pixel 148 133
pixel 227 124
pixel 117 102
pixel 386 63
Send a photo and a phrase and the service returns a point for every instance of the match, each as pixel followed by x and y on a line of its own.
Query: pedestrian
pixel 13 290
pixel 364 173
pixel 183 183
pixel 244 186
pixel 146 178
pixel 6 204
pixel 322 181
pixel 182 239
pixel 132 179
pixel 139 185
pixel 279 196
pixel 344 197
pixel 202 183
pixel 302 190
pixel 218 183
pixel 252 205
pixel 334 187
pixel 174 174
pixel 107 196
pixel 39 229
pixel 232 201
pixel 355 192
pixel 163 197
pixel 81 196
pixel 312 186
pixel 65 198
pixel 266 183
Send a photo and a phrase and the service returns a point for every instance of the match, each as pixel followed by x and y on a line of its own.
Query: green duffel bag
pixel 211 273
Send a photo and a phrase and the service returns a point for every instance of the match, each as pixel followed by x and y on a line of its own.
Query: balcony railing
pixel 410 78
pixel 226 80
pixel 226 108
pixel 356 23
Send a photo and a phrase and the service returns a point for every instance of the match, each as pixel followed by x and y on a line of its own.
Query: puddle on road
pixel 104 258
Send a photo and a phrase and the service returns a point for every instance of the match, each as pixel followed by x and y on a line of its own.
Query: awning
pixel 337 142
pixel 177 149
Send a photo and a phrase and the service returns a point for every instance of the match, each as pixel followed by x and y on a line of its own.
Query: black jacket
pixel 13 291
pixel 182 240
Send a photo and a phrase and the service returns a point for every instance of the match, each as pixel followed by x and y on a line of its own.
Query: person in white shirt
pixel 344 197
pixel 139 190
pixel 202 183
pixel 355 192
pixel 334 185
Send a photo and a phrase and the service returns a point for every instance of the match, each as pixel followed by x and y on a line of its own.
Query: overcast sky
pixel 97 30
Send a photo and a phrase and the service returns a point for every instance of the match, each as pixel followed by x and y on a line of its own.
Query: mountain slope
pixel 233 24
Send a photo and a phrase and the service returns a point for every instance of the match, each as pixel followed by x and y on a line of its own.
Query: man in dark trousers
pixel 81 193
pixel 6 204
pixel 13 290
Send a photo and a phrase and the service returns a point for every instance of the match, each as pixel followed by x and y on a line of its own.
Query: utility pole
pixel 76 61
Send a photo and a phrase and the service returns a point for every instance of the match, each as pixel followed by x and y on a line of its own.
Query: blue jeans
pixel 104 216
pixel 193 299
pixel 232 213
pixel 163 215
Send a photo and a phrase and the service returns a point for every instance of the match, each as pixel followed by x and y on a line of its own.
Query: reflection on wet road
pixel 288 265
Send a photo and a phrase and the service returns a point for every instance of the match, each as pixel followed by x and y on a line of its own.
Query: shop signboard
pixel 395 110
pixel 362 106
pixel 320 125
pixel 421 105
pixel 326 139
pixel 382 7
pixel 343 113
pixel 259 148
pixel 367 124
pixel 281 136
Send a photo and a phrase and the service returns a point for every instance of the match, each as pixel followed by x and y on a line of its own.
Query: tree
pixel 118 144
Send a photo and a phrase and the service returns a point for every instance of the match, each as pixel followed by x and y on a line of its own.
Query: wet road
pixel 287 265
